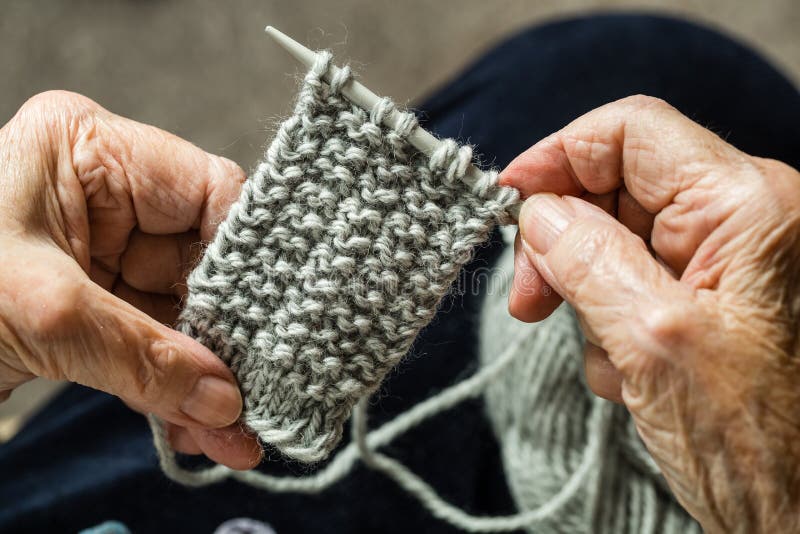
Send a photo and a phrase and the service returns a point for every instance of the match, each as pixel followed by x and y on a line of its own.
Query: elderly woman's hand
pixel 681 256
pixel 99 221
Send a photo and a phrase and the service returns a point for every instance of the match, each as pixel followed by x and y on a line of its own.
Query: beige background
pixel 205 71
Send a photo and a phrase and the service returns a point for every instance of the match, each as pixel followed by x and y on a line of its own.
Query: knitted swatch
pixel 337 253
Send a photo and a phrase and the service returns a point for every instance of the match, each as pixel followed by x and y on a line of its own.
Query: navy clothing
pixel 86 458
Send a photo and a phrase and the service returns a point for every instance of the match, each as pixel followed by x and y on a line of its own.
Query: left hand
pixel 100 221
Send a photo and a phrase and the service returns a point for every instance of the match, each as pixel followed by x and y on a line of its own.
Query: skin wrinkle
pixel 155 358
pixel 598 169
pixel 684 435
pixel 715 246
pixel 684 225
pixel 565 162
pixel 69 192
pixel 584 152
pixel 635 151
pixel 36 216
pixel 51 143
pixel 10 343
pixel 759 274
pixel 99 172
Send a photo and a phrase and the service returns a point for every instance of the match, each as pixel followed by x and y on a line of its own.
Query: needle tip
pixel 303 54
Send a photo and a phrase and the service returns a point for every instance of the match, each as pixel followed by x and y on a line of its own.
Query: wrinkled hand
pixel 681 256
pixel 100 221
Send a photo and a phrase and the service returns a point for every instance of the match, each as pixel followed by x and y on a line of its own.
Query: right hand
pixel 680 255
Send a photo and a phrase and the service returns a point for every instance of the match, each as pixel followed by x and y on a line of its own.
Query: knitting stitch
pixel 336 254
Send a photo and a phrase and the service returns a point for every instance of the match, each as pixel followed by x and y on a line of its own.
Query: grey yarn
pixel 539 408
pixel 337 253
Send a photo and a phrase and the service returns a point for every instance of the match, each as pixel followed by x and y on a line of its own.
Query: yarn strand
pixel 457 517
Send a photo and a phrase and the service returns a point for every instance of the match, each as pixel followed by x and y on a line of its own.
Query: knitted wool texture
pixel 336 254
pixel 545 417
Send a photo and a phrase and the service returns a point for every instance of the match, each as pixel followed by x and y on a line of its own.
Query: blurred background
pixel 205 70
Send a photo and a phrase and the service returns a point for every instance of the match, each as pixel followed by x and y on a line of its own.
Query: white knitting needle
pixel 366 99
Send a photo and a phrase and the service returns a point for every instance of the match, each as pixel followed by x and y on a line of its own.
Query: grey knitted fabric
pixel 336 254
pixel 546 418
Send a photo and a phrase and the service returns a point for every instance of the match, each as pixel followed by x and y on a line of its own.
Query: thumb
pixel 604 271
pixel 87 335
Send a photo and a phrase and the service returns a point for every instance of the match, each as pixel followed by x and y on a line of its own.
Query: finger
pixel 85 334
pixel 160 263
pixel 163 308
pixel 602 377
pixel 530 298
pixel 173 185
pixel 640 143
pixel 604 271
pixel 128 174
pixel 232 446
pixel 181 439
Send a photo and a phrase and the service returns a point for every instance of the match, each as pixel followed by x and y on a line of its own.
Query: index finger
pixel 174 185
pixel 640 142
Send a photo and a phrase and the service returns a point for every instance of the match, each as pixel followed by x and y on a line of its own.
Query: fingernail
pixel 213 402
pixel 542 219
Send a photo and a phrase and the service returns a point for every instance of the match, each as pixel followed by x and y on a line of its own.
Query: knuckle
pixel 642 102
pixel 778 184
pixel 53 328
pixel 58 103
pixel 60 314
pixel 667 328
pixel 233 169
pixel 56 116
pixel 154 376
pixel 777 168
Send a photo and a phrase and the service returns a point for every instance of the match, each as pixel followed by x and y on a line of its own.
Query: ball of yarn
pixel 545 417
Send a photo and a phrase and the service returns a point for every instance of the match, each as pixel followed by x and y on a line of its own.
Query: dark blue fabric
pixel 86 458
